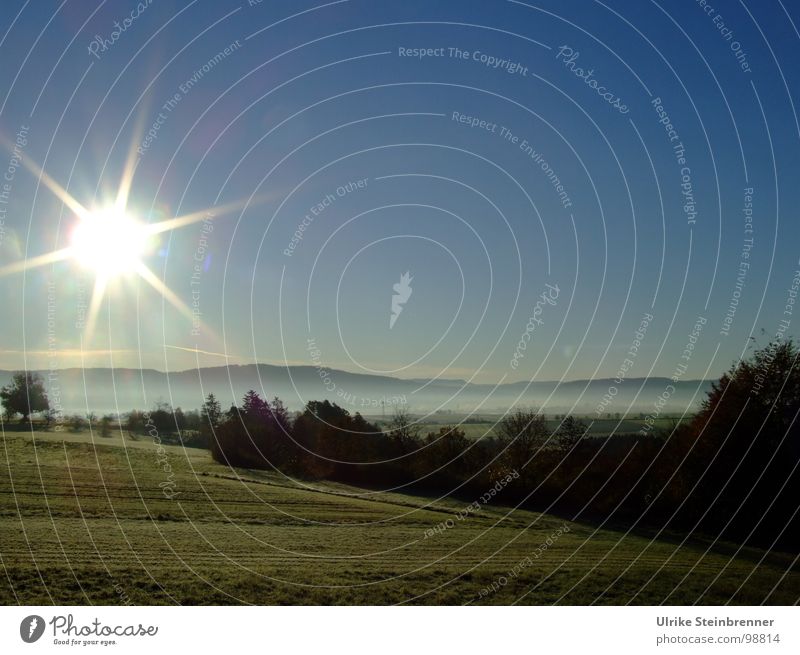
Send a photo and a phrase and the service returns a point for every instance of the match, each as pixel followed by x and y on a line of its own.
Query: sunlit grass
pixel 98 528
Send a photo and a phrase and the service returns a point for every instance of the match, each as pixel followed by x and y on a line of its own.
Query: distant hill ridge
pixel 122 389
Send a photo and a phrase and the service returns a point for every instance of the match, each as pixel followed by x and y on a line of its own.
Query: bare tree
pixel 404 430
pixel 522 434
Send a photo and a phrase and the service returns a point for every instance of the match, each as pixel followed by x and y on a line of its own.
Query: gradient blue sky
pixel 320 97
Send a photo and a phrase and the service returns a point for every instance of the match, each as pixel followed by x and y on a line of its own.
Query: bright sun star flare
pixel 110 242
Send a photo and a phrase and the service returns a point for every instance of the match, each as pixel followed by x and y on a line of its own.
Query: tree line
pixel 731 471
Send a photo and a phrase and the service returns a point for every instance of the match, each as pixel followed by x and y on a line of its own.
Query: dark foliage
pixel 731 472
pixel 24 395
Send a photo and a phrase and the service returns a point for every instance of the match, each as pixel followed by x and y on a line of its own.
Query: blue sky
pixel 311 98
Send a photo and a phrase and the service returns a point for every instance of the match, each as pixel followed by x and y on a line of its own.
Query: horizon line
pixel 340 370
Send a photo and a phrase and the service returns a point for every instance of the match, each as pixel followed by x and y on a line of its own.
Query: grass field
pixel 598 427
pixel 88 523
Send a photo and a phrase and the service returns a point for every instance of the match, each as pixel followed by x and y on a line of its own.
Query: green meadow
pixel 118 521
pixel 597 427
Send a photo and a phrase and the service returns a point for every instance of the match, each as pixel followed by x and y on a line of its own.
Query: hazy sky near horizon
pixel 553 177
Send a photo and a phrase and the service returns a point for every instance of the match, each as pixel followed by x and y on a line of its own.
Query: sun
pixel 109 242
